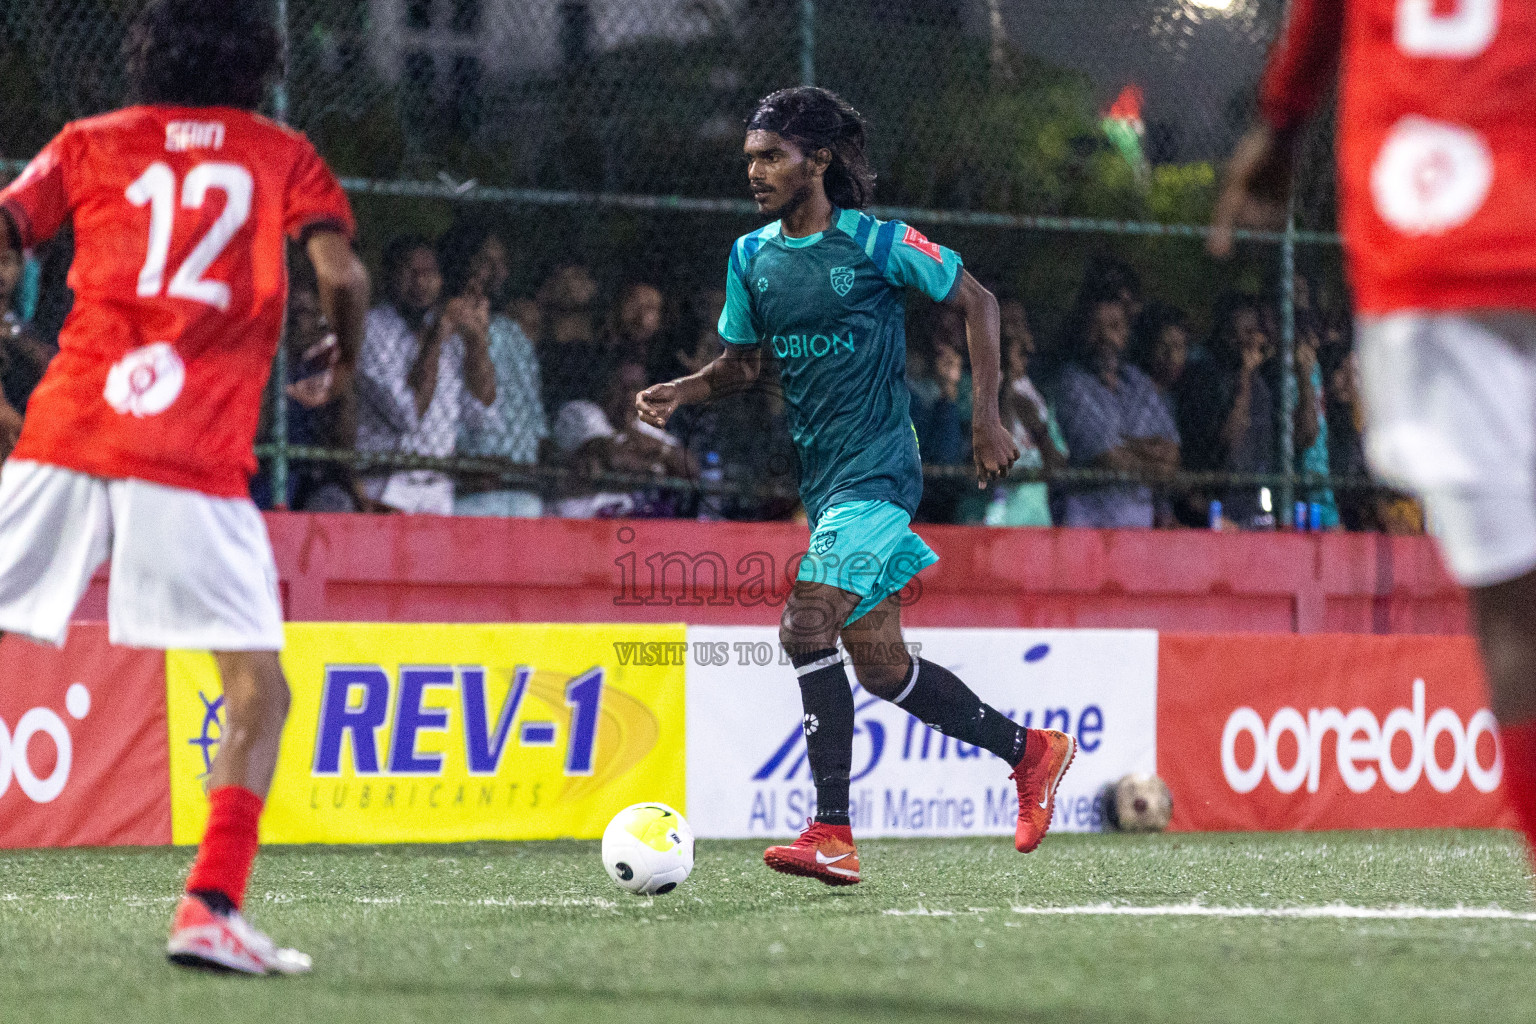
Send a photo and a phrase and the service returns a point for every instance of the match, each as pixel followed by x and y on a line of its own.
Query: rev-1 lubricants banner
pixel 747 768
pixel 421 733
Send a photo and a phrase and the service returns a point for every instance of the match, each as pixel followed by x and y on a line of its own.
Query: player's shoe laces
pixel 823 852
pixel 1047 756
pixel 226 942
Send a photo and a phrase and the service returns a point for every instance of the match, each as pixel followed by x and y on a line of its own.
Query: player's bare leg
pixel 208 930
pixel 935 695
pixel 1506 631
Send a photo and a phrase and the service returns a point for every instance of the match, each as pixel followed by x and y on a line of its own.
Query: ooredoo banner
pixel 747 770
pixel 82 744
pixel 416 733
pixel 1325 732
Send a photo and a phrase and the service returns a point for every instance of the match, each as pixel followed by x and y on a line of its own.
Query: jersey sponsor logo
pixel 181 136
pixel 813 346
pixel 916 240
pixel 842 280
pixel 146 381
pixel 1430 176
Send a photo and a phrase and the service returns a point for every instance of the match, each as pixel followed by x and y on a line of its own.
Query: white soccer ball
pixel 1139 803
pixel 648 848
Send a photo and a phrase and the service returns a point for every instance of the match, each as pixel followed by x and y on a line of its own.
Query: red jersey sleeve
pixel 1303 62
pixel 315 198
pixel 38 201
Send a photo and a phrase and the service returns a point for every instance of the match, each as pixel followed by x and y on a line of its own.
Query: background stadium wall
pixel 426 569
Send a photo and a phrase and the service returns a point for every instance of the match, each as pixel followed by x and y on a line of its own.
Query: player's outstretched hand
pixel 657 403
pixel 995 452
pixel 1254 193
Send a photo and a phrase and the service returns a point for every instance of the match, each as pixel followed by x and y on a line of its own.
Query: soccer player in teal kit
pixel 823 288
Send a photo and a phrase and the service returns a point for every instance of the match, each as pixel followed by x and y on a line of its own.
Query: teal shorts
pixel 866 548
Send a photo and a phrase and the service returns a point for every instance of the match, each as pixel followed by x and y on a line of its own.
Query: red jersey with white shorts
pixel 1436 143
pixel 180 282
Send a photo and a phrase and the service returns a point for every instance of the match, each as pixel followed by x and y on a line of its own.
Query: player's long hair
pixel 199 53
pixel 814 118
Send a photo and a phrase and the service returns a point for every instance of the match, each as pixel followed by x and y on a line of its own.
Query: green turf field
pixel 940 930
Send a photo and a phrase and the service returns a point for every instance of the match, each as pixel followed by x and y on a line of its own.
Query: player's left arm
pixel 993 446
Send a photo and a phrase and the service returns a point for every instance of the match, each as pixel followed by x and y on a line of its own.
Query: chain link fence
pixel 1068 148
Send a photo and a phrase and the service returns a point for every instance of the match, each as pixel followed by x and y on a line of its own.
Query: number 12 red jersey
pixel 1436 143
pixel 180 282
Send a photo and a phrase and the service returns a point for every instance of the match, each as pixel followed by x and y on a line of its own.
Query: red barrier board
pixel 1278 732
pixel 83 744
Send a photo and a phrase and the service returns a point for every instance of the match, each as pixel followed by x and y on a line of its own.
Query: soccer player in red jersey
pixel 1437 189
pixel 138 443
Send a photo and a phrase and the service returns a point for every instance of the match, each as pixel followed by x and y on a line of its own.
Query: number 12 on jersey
pixel 156 187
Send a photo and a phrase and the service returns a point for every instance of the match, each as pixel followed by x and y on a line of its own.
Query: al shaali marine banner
pixel 440 733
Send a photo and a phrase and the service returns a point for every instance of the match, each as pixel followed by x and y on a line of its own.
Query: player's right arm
pixel 732 370
pixel 1300 68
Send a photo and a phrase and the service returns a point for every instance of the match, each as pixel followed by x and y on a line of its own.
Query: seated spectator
pixel 1030 421
pixel 1360 510
pixel 1160 349
pixel 590 444
pixel 474 262
pixel 1322 507
pixel 24 356
pixel 423 369
pixel 746 430
pixel 1112 418
pixel 941 414
pixel 573 363
pixel 322 411
pixel 635 331
pixel 1227 411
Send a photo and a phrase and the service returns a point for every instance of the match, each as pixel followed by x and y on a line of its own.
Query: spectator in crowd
pixel 746 430
pixel 1322 506
pixel 474 263
pixel 1111 278
pixel 322 410
pixel 1160 349
pixel 635 334
pixel 941 414
pixel 594 438
pixel 1362 510
pixel 23 355
pixel 574 363
pixel 1112 419
pixel 1030 421
pixel 424 368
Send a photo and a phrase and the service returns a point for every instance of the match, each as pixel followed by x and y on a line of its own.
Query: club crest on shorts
pixel 822 542
pixel 842 280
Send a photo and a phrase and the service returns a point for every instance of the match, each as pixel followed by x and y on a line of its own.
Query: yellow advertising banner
pixel 449 733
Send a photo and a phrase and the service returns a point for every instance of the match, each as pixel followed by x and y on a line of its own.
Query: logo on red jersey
pixel 1430 176
pixel 146 381
pixel 915 239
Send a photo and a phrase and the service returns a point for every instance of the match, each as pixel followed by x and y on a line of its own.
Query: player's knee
pixel 882 678
pixel 801 633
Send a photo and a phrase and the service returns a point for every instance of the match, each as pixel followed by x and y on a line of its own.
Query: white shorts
pixel 1450 403
pixel 189 572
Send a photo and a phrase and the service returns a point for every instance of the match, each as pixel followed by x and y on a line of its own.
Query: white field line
pixel 1333 911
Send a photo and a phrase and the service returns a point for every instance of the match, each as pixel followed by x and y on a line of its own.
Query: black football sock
pixel 215 901
pixel 828 726
pixel 937 696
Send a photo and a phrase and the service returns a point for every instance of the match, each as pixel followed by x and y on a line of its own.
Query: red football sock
pixel 1519 743
pixel 229 845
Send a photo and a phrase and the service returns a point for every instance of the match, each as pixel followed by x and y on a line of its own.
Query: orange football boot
pixel 1047 756
pixel 823 852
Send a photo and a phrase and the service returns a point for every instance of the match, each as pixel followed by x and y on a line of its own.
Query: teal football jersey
pixel 831 309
